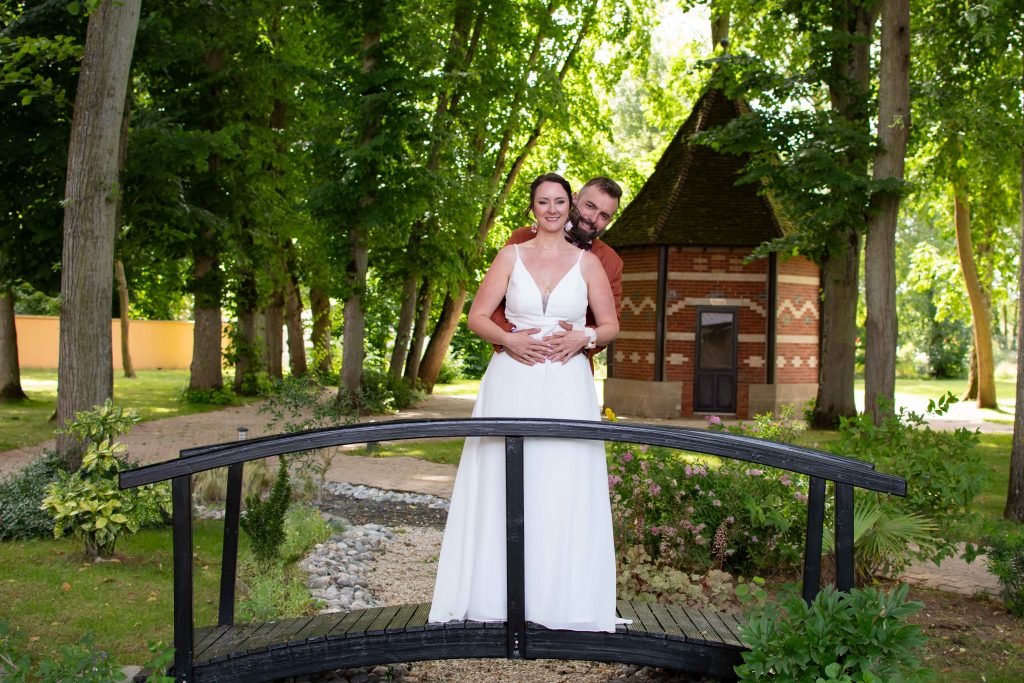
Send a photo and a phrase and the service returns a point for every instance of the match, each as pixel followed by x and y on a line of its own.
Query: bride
pixel 569 552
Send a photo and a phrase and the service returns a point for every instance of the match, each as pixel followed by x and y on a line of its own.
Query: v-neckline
pixel 545 297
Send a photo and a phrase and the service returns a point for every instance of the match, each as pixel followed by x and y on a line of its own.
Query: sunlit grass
pixel 460 388
pixel 153 394
pixel 444 451
pixel 53 596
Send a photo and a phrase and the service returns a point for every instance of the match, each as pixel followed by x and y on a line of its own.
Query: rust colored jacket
pixel 612 267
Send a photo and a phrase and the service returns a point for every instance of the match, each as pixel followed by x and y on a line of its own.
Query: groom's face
pixel 596 209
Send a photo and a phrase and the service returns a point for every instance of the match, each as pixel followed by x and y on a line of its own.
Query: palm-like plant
pixel 883 539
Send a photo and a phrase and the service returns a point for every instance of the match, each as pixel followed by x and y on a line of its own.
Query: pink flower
pixel 730 519
pixel 713 420
pixel 785 480
pixel 654 489
pixel 627 456
pixel 754 473
pixel 655 531
pixel 802 497
pixel 700 540
pixel 614 480
pixel 716 503
pixel 688 470
pixel 645 466
pixel 754 539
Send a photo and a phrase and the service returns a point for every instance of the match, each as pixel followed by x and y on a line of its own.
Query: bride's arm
pixel 600 299
pixel 488 296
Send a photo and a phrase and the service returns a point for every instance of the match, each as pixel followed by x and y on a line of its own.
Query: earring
pixel 568 226
pixel 533 228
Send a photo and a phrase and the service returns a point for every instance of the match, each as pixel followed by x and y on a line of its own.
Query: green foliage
pixel 1006 561
pixel 783 429
pixel 278 590
pixel 862 636
pixel 690 514
pixel 102 423
pixel 942 477
pixel 641 578
pixel 81 661
pixel 22 495
pixel 89 503
pixel 469 353
pixel 304 528
pixel 219 396
pixel 882 539
pixel 263 519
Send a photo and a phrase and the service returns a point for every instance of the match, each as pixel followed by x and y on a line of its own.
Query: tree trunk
pixel 719 27
pixel 293 321
pixel 419 332
pixel 971 391
pixel 10 371
pixel 354 331
pixel 981 314
pixel 205 373
pixel 835 397
pixel 320 336
pixel 404 329
pixel 248 357
pixel 85 372
pixel 122 294
pixel 880 246
pixel 1015 491
pixel 273 336
pixel 447 322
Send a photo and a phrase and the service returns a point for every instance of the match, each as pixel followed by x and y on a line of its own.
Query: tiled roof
pixel 691 198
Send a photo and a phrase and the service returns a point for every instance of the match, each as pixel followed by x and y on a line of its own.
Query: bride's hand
pixel 524 348
pixel 565 345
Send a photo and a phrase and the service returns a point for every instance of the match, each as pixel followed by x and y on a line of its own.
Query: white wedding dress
pixel 569 549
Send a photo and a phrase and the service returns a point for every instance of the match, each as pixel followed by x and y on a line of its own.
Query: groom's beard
pixel 584 231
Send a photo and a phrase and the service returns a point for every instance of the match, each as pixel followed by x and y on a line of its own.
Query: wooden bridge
pixel 701 641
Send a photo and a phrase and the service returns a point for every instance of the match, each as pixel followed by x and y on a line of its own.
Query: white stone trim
pixel 799 279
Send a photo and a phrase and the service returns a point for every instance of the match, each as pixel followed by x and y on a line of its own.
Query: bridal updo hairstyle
pixel 553 178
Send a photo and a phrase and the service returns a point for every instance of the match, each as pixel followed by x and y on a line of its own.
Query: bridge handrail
pixel 799 459
pixel 821 467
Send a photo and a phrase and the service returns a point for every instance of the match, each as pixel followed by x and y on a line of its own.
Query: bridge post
pixel 229 554
pixel 181 509
pixel 514 548
pixel 844 536
pixel 812 541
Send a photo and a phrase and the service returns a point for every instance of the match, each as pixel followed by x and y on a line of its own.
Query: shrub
pixel 222 396
pixel 641 578
pixel 862 635
pixel 942 477
pixel 688 513
pixel 21 496
pixel 783 429
pixel 304 528
pixel 1006 561
pixel 88 502
pixel 263 520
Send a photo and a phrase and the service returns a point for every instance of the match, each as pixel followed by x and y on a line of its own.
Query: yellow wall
pixel 154 344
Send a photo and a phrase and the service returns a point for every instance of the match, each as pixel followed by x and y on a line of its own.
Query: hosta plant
pixel 88 503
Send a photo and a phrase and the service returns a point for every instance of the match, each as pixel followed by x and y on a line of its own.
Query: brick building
pixel 704 331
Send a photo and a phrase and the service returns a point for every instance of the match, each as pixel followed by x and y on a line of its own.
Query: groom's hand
pixel 524 348
pixel 565 344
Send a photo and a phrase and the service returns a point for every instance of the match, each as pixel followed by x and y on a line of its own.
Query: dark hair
pixel 606 185
pixel 549 178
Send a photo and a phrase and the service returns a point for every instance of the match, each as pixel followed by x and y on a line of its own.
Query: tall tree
pixel 880 244
pixel 1015 493
pixel 85 374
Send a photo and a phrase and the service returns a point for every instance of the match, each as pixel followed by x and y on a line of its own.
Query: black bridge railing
pixel 845 473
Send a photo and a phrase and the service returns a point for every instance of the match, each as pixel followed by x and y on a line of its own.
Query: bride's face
pixel 551 207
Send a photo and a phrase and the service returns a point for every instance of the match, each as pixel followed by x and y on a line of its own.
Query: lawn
pixel 153 394
pixel 53 596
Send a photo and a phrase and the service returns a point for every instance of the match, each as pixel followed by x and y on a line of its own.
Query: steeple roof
pixel 692 198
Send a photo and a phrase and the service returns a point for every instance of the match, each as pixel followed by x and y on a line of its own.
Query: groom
pixel 597 201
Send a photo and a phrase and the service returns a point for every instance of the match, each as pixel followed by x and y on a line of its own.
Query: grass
pixel 463 388
pixel 444 451
pixel 52 595
pixel 153 394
